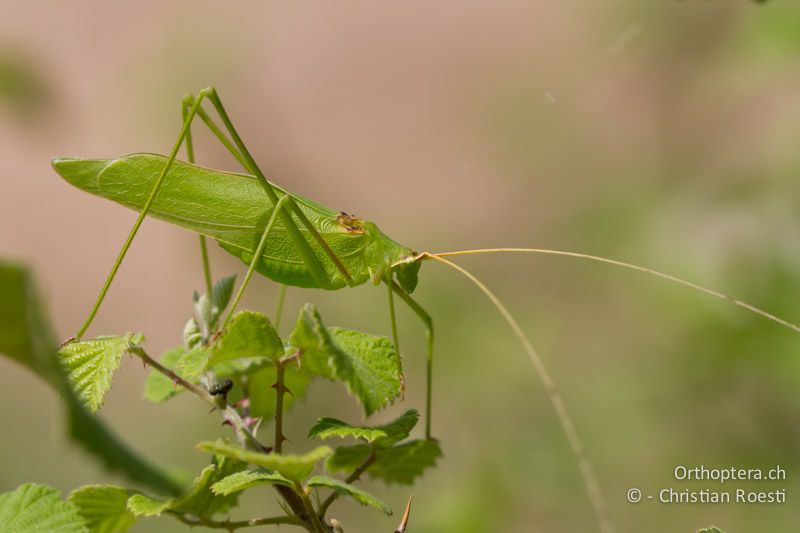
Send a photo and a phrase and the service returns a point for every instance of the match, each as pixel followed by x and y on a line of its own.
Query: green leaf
pixel 199 500
pixel 91 364
pixel 248 478
pixel 249 334
pixel 712 529
pixel 221 295
pixel 367 364
pixel 38 508
pixel 192 336
pixel 158 387
pixel 103 508
pixel 402 463
pixel 294 467
pixel 192 363
pixel 25 337
pixel 382 436
pixel 141 505
pixel 362 497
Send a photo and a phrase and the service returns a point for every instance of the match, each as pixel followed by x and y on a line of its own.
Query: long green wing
pixel 231 208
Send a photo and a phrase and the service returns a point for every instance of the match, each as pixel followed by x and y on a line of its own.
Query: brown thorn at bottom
pixel 404 522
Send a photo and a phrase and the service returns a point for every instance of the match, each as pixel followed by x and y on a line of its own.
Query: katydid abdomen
pixel 233 209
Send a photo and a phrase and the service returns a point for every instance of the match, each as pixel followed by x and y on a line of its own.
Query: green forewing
pixel 234 209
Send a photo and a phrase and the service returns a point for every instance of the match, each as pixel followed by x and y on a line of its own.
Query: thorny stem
pixel 231 525
pixel 230 414
pixel 350 479
pixel 244 434
pixel 280 389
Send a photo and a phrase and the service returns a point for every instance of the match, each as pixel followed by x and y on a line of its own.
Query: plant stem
pixel 280 389
pixel 246 437
pixel 230 414
pixel 238 524
pixel 206 266
pixel 279 306
pixel 350 479
pixel 316 522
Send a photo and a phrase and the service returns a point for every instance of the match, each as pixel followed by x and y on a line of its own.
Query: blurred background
pixel 663 133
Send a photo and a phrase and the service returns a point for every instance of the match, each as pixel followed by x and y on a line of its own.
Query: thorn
pixel 404 522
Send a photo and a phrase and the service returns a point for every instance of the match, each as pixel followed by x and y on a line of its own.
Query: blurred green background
pixel 663 133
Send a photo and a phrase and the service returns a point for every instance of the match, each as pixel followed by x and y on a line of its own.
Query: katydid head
pixel 385 255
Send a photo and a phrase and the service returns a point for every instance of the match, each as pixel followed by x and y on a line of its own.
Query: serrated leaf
pixel 142 505
pixel 362 497
pixel 158 387
pixel 367 364
pixel 248 478
pixel 199 500
pixel 294 467
pixel 26 337
pixel 326 428
pixel 38 509
pixel 192 336
pixel 90 364
pixel 103 508
pixel 192 363
pixel 381 436
pixel 249 334
pixel 401 464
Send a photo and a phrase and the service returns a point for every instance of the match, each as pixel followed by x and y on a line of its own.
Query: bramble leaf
pixel 158 387
pixel 91 364
pixel 25 337
pixel 362 497
pixel 221 295
pixel 249 334
pixel 199 500
pixel 38 508
pixel 401 464
pixel 192 363
pixel 192 336
pixel 141 505
pixel 103 508
pixel 367 364
pixel 294 467
pixel 382 436
pixel 248 478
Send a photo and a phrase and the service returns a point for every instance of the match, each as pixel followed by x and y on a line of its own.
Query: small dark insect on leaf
pixel 221 388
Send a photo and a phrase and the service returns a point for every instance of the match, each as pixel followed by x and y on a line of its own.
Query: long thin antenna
pixel 630 266
pixel 587 471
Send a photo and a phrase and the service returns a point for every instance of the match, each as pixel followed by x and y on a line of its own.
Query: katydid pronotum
pixel 298 242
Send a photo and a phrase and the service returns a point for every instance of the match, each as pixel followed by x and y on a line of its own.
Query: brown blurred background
pixel 661 132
